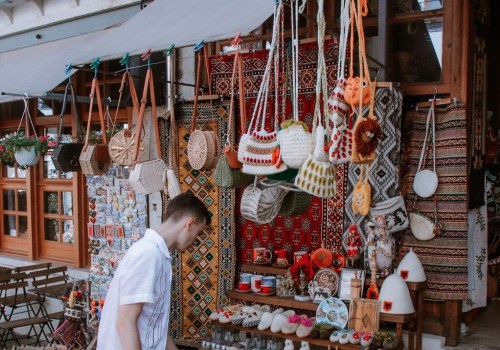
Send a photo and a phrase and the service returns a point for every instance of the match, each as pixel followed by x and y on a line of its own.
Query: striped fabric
pixel 444 257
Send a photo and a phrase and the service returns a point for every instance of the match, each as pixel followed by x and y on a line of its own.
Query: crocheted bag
pixel 362 193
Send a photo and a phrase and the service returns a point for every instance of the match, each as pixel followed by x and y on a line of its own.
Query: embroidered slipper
pixel 253 319
pixel 279 321
pixel 355 337
pixel 366 339
pixel 216 315
pixel 290 327
pixel 344 338
pixel 335 336
pixel 305 327
pixel 239 316
pixel 267 319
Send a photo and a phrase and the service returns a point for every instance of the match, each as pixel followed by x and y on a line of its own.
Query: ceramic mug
pixel 270 281
pixel 266 289
pixel 256 282
pixel 281 256
pixel 244 285
pixel 246 277
pixel 297 256
pixel 262 255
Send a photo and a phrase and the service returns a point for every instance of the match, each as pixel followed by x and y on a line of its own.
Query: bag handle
pixel 172 149
pixel 148 86
pixel 127 77
pixel 321 82
pixel 95 89
pixel 344 34
pixel 431 134
pixel 69 87
pixel 231 106
pixel 202 55
pixel 241 90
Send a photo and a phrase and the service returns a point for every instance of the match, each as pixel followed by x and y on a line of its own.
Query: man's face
pixel 191 231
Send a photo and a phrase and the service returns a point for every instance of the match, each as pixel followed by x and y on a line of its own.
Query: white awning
pixel 179 22
pixel 37 69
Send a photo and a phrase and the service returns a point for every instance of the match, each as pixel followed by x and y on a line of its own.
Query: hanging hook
pixel 67 71
pixel 170 50
pixel 147 56
pixel 125 61
pixel 95 65
pixel 435 93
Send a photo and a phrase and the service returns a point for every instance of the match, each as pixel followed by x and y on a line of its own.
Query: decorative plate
pixel 327 278
pixel 334 312
pixel 322 257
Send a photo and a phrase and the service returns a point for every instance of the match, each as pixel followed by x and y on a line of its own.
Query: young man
pixel 137 307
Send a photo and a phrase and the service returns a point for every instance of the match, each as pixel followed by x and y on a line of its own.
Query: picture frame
pixel 364 315
pixel 346 275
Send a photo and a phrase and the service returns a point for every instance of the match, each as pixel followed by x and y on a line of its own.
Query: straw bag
pixel 173 186
pixel 393 213
pixel 227 171
pixel 337 106
pixel 94 159
pixel 426 181
pixel 202 145
pixel 66 155
pixel 296 202
pixel 148 177
pixel 317 176
pixel 362 193
pixel 122 144
pixel 261 202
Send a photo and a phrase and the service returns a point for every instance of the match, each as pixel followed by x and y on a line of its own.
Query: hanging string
pixel 27 115
pixel 344 33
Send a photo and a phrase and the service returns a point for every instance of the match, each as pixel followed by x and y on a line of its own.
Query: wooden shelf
pixel 266 269
pixel 320 342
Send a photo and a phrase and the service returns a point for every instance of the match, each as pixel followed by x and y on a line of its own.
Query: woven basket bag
pixel 202 145
pixel 295 203
pixel 261 203
pixel 148 177
pixel 94 159
pixel 122 144
pixel 295 142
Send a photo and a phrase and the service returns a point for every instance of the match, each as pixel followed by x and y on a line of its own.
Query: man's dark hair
pixel 186 204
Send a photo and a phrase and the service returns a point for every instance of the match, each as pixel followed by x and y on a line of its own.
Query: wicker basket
pixel 122 147
pixel 202 150
pixel 148 177
pixel 261 203
pixel 94 160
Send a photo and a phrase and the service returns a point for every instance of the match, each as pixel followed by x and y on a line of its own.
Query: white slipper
pixel 291 325
pixel 279 320
pixel 239 316
pixel 335 336
pixel 354 338
pixel 216 315
pixel 253 319
pixel 306 326
pixel 344 338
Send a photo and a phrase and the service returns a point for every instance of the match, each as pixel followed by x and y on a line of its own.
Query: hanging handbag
pixel 94 159
pixel 173 186
pixel 122 144
pixel 203 144
pixel 227 171
pixel 148 177
pixel 296 202
pixel 262 201
pixel 362 193
pixel 426 181
pixel 66 155
pixel 317 176
pixel 393 211
pixel 340 151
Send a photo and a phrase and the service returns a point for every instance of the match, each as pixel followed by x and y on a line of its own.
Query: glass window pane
pixel 50 172
pixel 8 200
pixel 21 174
pixel 67 201
pixel 418 49
pixel 51 227
pixel 68 235
pixel 51 203
pixel 22 203
pixel 23 226
pixel 9 225
pixel 67 176
pixel 8 171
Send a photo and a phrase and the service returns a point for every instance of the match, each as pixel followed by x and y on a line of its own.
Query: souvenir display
pixel 324 284
pixel 334 312
pixel 395 297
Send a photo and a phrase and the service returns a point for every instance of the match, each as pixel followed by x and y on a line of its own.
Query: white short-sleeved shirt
pixel 143 276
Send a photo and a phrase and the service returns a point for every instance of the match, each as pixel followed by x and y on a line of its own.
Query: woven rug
pixel 444 257
pixel 204 273
pixel 323 223
pixel 384 171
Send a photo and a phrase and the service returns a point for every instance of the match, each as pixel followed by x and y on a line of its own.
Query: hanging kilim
pixel 203 274
pixel 445 256
pixel 384 170
pixel 324 220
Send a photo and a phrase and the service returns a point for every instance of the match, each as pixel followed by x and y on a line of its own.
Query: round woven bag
pixel 122 147
pixel 202 148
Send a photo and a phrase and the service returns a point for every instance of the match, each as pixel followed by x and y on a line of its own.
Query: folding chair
pixel 18 289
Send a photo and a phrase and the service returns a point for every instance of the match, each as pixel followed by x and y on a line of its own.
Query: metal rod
pixel 60 97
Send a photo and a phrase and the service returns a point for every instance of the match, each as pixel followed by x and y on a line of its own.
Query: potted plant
pixel 27 149
pixel 6 152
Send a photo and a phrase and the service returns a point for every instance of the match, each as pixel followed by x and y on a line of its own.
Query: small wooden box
pixel 364 315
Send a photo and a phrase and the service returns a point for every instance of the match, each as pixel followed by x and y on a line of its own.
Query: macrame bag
pixel 317 176
pixel 262 201
pixel 393 211
pixel 362 193
pixel 66 155
pixel 94 159
pixel 227 171
pixel 148 177
pixel 122 144
pixel 203 144
pixel 426 181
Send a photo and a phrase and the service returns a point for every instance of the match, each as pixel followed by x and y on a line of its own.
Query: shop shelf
pixel 265 269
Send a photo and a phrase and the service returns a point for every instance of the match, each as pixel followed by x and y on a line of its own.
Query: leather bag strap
pixel 71 89
pixel 127 77
pixel 95 90
pixel 202 57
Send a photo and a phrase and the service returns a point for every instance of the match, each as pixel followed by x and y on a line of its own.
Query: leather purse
pixel 66 155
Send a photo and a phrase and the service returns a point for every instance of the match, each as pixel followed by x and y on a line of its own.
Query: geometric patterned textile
pixel 323 223
pixel 445 256
pixel 384 170
pixel 204 273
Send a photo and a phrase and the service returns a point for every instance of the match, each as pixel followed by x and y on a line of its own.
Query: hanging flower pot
pixel 27 156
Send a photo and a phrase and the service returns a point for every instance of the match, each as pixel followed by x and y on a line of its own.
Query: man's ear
pixel 189 221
